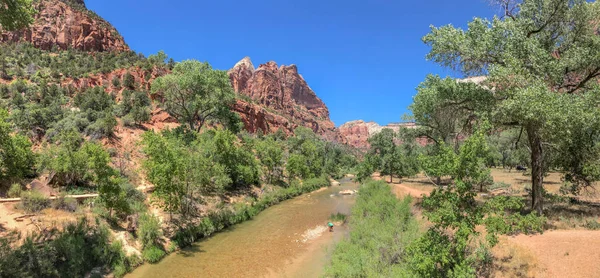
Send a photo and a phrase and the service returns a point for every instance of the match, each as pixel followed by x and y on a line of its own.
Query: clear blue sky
pixel 364 59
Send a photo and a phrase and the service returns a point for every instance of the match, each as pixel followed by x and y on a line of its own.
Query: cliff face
pixel 278 98
pixel 68 24
pixel 357 133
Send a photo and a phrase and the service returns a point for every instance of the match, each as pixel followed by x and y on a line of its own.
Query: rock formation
pixel 277 97
pixel 68 24
pixel 357 133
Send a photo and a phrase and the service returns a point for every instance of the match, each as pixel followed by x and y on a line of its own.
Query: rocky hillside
pixel 277 97
pixel 357 133
pixel 68 24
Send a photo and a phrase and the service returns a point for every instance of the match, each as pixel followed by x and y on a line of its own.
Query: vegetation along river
pixel 289 239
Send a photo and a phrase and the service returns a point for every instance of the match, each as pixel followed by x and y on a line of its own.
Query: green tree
pixel 195 93
pixel 390 158
pixel 16 157
pixel 129 81
pixel 181 171
pixel 540 60
pixel 270 153
pixel 16 14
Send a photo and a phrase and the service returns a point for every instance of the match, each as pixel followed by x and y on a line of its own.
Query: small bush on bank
pixel 34 201
pixel 149 231
pixel 337 217
pixel 153 254
pixel 15 191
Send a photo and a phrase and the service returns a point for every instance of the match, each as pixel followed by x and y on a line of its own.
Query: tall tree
pixel 195 93
pixel 16 14
pixel 542 59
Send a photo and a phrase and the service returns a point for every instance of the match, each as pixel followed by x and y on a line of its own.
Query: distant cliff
pixel 68 24
pixel 277 97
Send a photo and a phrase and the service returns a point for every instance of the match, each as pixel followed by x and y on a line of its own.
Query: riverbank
pixel 272 240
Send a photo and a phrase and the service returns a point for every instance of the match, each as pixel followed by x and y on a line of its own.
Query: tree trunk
pixel 537 169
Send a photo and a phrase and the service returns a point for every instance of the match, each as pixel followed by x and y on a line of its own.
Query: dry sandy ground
pixel 555 253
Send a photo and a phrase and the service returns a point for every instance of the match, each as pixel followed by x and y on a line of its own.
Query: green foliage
pixel 34 201
pixel 445 250
pixel 153 254
pixel 16 14
pixel 391 159
pixel 15 190
pixel 74 162
pixel 36 108
pixel 382 227
pixel 194 93
pixel 183 170
pixel 504 216
pixel 26 61
pixel 216 221
pixel 16 157
pixel 149 232
pixel 533 87
pixel 72 252
pixel 128 81
pixel 97 106
pixel 116 82
pixel 62 202
pixel 270 153
pixel 338 217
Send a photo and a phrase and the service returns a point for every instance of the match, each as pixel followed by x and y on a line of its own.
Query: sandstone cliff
pixel 277 97
pixel 357 133
pixel 68 24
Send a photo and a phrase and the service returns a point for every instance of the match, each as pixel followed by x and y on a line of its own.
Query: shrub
pixel 129 81
pixel 116 82
pixel 34 201
pixel 15 190
pixel 498 185
pixel 592 225
pixel 153 254
pixel 337 217
pixel 63 202
pixel 149 231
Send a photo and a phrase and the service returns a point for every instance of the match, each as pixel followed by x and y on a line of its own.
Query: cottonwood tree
pixel 542 59
pixel 16 14
pixel 195 93
pixel 389 157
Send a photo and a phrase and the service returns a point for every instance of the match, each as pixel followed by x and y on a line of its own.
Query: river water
pixel 289 239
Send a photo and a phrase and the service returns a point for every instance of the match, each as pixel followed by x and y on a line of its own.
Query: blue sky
pixel 364 59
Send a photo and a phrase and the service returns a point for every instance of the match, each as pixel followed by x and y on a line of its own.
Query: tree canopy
pixel 541 60
pixel 16 14
pixel 195 93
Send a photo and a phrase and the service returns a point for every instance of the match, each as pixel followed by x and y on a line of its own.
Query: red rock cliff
pixel 357 133
pixel 278 98
pixel 68 24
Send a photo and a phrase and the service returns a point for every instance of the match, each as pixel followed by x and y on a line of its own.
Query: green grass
pixel 381 227
pixel 338 217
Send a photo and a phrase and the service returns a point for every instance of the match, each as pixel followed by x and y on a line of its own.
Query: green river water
pixel 286 240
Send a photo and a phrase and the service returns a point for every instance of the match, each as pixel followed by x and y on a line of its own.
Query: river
pixel 289 239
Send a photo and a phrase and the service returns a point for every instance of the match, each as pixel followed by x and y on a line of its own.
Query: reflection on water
pixel 272 244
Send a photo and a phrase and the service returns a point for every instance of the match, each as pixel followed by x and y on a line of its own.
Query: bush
pixel 129 81
pixel 34 201
pixel 592 225
pixel 63 202
pixel 15 191
pixel 337 217
pixel 498 185
pixel 153 254
pixel 116 82
pixel 149 231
